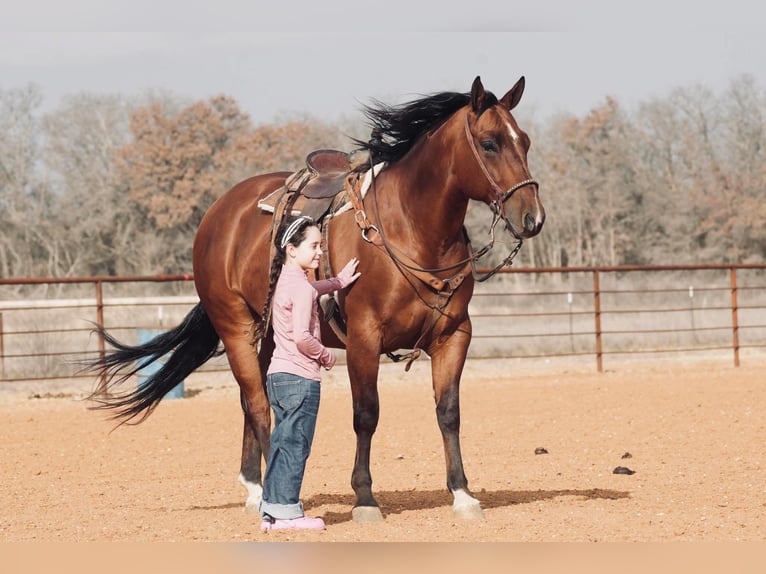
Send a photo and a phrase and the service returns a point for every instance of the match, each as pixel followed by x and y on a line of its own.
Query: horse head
pixel 499 148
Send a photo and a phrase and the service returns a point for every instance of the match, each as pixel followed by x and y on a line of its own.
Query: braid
pixel 275 271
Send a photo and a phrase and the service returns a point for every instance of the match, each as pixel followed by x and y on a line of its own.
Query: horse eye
pixel 488 146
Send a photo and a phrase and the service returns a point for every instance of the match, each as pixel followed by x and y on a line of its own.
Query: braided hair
pixel 292 231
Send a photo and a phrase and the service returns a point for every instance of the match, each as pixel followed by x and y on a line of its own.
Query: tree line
pixel 109 185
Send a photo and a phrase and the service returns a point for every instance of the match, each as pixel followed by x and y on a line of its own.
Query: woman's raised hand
pixel 348 274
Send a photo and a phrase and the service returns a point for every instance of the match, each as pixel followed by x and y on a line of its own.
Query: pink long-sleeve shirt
pixel 295 317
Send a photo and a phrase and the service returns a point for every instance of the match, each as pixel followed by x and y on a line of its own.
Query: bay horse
pixel 417 276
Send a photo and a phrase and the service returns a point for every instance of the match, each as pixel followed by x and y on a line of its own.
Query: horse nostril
pixel 529 222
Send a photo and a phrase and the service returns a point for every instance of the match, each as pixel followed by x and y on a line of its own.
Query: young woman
pixel 293 377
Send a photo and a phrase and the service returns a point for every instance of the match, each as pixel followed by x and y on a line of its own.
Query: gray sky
pixel 327 57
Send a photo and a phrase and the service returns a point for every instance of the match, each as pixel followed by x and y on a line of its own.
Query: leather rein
pixel 444 288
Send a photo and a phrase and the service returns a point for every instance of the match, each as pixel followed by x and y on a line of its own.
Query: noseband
pixel 498 203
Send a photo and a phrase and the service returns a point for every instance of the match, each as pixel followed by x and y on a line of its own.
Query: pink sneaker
pixel 302 523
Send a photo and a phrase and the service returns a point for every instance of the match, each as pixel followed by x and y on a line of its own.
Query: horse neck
pixel 425 194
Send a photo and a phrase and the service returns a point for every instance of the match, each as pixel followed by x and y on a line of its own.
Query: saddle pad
pixel 314 208
pixel 269 203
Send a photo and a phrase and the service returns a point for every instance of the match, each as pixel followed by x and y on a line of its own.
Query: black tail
pixel 190 345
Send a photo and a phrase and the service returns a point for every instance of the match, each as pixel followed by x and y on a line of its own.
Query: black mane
pixel 395 129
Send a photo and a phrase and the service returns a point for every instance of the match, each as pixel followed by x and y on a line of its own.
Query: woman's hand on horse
pixel 348 274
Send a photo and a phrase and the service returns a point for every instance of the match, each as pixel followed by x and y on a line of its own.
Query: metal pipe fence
pixel 46 324
pixel 629 310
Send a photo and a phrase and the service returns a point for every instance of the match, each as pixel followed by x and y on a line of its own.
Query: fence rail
pixel 46 324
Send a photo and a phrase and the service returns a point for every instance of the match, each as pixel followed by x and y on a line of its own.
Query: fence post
pixel 2 350
pixel 100 324
pixel 597 312
pixel 734 320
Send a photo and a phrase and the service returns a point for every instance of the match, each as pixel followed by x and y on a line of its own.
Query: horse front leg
pixel 447 361
pixel 363 364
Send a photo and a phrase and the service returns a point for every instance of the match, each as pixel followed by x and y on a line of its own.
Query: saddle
pixel 312 189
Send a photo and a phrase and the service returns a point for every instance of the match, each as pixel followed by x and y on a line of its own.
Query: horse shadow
pixel 398 501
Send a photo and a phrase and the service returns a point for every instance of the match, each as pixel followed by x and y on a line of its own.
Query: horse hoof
pixel 469 512
pixel 366 514
pixel 251 508
pixel 466 506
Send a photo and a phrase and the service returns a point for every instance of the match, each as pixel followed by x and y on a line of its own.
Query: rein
pixel 444 287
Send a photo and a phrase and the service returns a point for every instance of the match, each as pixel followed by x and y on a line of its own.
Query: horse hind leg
pixel 249 371
pixel 250 468
pixel 254 448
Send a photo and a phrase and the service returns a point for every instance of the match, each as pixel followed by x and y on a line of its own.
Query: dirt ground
pixel 694 429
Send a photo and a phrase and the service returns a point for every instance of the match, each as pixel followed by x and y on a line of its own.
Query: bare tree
pixel 23 199
pixel 95 226
pixel 550 163
pixel 591 175
pixel 741 221
pixel 706 154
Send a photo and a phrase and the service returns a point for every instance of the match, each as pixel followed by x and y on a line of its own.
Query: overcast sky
pixel 326 57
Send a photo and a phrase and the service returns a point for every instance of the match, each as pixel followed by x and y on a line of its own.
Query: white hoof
pixel 466 506
pixel 366 514
pixel 254 495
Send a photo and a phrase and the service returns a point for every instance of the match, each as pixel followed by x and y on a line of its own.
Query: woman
pixel 293 377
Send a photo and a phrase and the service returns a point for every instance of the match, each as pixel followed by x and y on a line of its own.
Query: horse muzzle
pixel 528 223
pixel 528 216
pixel 533 224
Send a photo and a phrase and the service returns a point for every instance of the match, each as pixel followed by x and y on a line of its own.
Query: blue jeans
pixel 295 402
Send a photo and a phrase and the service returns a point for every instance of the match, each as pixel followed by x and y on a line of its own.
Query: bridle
pixel 498 202
pixel 497 205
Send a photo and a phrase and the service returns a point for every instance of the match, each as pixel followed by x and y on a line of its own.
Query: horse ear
pixel 477 95
pixel 511 99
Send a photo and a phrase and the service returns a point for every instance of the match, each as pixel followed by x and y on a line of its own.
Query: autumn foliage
pixel 177 164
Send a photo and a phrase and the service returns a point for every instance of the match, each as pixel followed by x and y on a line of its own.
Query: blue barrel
pixel 144 336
